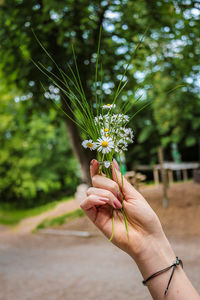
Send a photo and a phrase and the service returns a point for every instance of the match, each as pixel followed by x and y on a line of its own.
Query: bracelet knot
pixel 173 266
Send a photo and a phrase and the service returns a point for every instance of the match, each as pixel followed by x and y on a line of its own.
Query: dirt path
pixel 27 225
pixel 36 266
pixel 182 215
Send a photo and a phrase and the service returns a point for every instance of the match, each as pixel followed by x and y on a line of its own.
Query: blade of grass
pixel 130 105
pixel 132 56
pixel 122 197
pixel 60 108
pixel 61 72
pixel 77 70
pixel 90 111
pixel 92 128
pixel 113 226
pixel 143 107
pixel 96 70
pixel 70 91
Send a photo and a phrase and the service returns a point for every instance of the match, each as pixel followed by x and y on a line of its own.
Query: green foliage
pixel 58 221
pixel 168 57
pixel 35 160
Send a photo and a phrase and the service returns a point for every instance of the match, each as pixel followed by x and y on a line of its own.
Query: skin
pixel 146 242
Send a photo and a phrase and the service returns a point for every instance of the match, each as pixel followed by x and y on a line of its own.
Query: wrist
pixel 157 254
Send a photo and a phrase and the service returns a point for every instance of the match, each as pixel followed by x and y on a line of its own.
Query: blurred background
pixel 43 167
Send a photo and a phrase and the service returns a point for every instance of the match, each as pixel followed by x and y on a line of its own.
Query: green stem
pixel 113 226
pixel 122 197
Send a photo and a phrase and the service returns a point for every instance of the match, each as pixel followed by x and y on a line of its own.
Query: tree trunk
pixel 163 176
pixel 83 156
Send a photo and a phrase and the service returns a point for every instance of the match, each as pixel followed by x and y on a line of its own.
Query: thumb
pixel 127 189
pixel 94 167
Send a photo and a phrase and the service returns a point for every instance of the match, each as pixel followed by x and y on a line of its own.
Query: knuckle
pixel 90 198
pixel 82 204
pixel 114 186
pixel 89 191
pixel 108 194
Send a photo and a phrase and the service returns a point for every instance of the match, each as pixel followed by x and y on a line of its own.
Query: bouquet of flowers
pixel 104 124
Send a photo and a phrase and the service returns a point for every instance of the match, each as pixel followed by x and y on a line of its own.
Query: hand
pixel 143 224
pixel 146 242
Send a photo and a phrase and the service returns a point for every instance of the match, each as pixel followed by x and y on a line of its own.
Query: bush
pixel 36 160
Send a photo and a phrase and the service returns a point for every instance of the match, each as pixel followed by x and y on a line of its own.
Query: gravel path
pixel 52 268
pixel 47 267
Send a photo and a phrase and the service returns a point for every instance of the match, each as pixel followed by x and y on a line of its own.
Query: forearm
pixel 157 256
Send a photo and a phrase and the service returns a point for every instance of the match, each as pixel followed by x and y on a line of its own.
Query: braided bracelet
pixel 173 266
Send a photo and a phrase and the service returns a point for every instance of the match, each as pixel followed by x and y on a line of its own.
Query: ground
pixel 37 266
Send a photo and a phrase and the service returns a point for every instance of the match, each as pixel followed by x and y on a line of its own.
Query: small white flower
pixel 89 144
pixel 129 134
pixel 105 131
pixel 98 119
pixel 123 142
pixel 126 118
pixel 109 106
pixel 105 144
pixel 107 164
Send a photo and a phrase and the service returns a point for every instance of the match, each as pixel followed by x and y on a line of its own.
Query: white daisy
pixel 89 144
pixel 105 144
pixel 109 106
pixel 105 131
pixel 107 164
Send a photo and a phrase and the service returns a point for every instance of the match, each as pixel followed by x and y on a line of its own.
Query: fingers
pixel 93 200
pixel 118 178
pixel 116 165
pixel 113 201
pixel 101 182
pixel 94 167
pixel 128 190
pixel 108 188
pixel 105 183
pixel 89 206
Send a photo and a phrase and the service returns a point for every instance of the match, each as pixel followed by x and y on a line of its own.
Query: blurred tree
pixel 33 154
pixel 167 57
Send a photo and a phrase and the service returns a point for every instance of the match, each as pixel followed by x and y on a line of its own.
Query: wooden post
pixel 156 176
pixel 163 176
pixel 185 175
pixel 170 176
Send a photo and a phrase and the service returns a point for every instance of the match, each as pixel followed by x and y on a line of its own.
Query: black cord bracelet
pixel 173 266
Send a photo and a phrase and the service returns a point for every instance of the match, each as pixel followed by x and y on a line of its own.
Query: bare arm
pixel 147 243
pixel 160 255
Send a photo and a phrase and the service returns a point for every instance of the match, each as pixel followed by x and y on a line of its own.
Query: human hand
pixel 146 242
pixel 144 228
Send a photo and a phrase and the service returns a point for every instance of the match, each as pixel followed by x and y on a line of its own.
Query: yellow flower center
pixel 89 145
pixel 106 129
pixel 104 144
pixel 108 104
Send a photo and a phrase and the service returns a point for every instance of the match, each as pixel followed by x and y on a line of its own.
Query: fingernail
pixel 119 197
pixel 116 164
pixel 118 204
pixel 92 162
pixel 103 199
